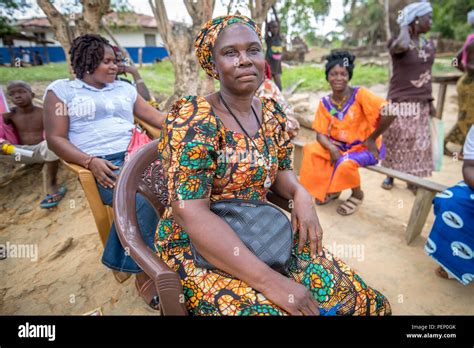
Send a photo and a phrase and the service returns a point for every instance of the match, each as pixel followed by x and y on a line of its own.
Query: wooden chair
pixel 130 182
pixel 103 214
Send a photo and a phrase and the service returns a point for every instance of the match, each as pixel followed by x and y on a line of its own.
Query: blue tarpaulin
pixel 56 53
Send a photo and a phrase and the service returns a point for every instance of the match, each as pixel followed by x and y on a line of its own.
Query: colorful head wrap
pixel 208 35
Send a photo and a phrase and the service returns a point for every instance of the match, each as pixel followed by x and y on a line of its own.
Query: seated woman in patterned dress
pixel 451 241
pixel 196 131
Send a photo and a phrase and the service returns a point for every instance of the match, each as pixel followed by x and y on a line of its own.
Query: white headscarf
pixel 470 17
pixel 410 12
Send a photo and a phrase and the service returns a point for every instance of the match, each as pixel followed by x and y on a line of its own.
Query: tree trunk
pixel 388 34
pixel 179 42
pixel 259 10
pixel 62 30
pixel 86 23
pixel 92 12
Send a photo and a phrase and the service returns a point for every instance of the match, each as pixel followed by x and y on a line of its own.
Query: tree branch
pixel 162 22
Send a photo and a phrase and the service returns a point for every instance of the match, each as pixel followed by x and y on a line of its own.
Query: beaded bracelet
pixel 88 162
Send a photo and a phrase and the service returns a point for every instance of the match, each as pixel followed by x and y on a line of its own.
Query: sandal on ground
pixel 329 197
pixel 387 184
pixel 147 290
pixel 447 152
pixel 51 201
pixel 440 272
pixel 412 188
pixel 349 207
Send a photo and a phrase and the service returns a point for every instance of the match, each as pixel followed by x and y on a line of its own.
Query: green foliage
pixel 301 15
pixel 121 6
pixel 364 22
pixel 7 10
pixel 450 18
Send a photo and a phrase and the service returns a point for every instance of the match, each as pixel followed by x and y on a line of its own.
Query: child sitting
pixel 27 120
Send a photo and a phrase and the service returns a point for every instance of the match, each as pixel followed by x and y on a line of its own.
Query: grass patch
pixel 315 78
pixel 159 78
pixel 48 72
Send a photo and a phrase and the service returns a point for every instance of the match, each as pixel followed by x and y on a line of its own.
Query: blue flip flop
pixel 51 201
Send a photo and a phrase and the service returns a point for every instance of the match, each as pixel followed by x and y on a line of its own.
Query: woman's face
pixel 274 28
pixel 239 59
pixel 425 22
pixel 107 70
pixel 338 78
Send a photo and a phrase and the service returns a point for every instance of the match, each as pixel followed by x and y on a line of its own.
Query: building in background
pixel 133 31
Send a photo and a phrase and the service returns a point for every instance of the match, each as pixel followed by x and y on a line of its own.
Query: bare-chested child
pixel 28 122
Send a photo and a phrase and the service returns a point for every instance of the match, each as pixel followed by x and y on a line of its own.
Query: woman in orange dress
pixel 348 126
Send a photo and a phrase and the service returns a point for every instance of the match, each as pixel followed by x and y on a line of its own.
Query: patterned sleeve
pixel 321 120
pixel 282 139
pixel 371 105
pixel 189 149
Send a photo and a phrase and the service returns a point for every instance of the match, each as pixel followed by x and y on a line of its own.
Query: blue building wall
pixel 56 53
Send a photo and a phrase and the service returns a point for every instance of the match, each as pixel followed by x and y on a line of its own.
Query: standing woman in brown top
pixel 408 140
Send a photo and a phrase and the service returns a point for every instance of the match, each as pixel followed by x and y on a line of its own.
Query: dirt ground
pixel 68 277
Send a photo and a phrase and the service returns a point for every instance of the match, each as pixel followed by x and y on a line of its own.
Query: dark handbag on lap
pixel 261 226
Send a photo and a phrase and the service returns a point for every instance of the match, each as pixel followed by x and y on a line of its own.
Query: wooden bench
pixel 444 81
pixel 424 196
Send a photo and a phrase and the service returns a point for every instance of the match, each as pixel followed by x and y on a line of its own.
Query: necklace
pixel 262 160
pixel 422 44
pixel 338 107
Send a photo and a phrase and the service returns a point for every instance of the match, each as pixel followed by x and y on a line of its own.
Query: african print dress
pixel 465 89
pixel 192 145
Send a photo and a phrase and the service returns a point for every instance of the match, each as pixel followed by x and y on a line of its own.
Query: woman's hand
pixel 291 296
pixel 124 68
pixel 103 172
pixel 335 154
pixel 372 147
pixel 305 220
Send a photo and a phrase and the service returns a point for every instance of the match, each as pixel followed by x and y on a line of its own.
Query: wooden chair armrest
pixel 153 132
pixel 76 168
pixel 103 216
